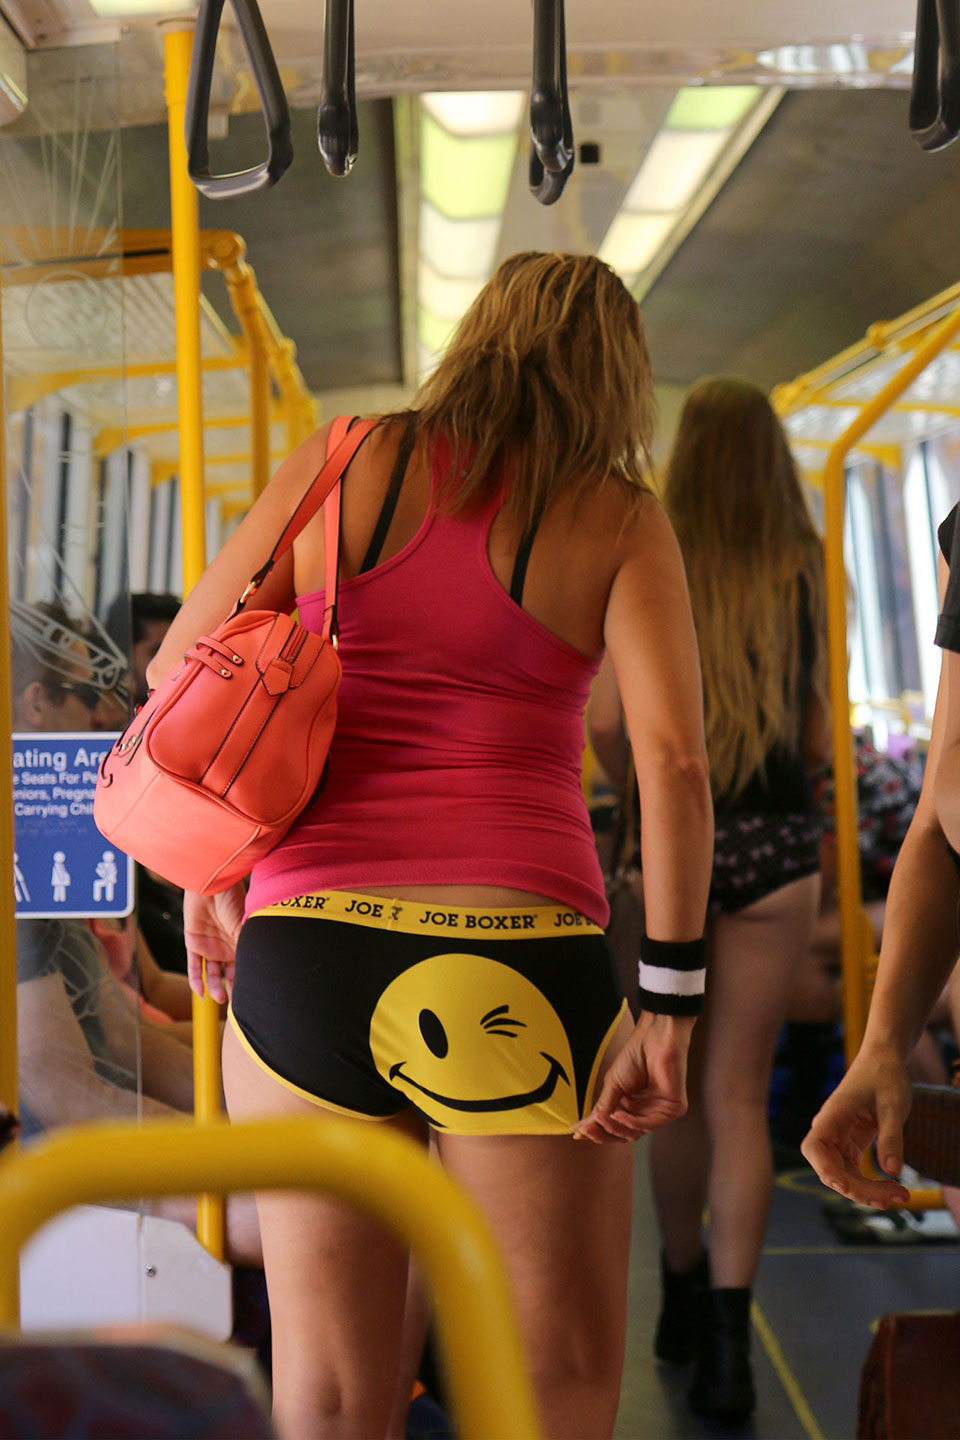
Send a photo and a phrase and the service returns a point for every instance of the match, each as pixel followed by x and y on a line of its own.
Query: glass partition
pixel 63 349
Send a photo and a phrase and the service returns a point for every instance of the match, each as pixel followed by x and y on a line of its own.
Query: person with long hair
pixel 424 949
pixel 754 566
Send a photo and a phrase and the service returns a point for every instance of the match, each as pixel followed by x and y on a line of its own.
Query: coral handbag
pixel 213 770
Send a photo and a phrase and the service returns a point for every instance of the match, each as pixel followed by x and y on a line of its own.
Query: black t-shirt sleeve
pixel 948 626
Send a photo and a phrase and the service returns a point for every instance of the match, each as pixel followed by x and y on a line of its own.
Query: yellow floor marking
pixel 785 1375
pixel 889 1249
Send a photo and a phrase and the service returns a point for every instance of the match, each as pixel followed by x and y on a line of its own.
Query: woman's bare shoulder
pixel 629 521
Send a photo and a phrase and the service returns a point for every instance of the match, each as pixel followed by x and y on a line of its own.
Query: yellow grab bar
pixel 856 936
pixel 8 928
pixel 185 235
pixel 383 1173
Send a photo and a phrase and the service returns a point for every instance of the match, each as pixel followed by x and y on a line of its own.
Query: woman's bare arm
pixel 650 637
pixel 605 728
pixel 651 640
pixel 918 952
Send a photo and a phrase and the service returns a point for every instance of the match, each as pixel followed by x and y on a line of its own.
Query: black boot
pixel 722 1384
pixel 684 1297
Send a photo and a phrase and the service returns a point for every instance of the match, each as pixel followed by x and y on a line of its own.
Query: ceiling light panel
pixel 711 107
pixel 445 295
pixel 699 142
pixel 633 241
pixel 134 9
pixel 476 112
pixel 464 176
pixel 468 145
pixel 675 166
pixel 462 249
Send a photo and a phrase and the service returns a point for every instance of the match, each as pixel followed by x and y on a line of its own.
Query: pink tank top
pixel 458 749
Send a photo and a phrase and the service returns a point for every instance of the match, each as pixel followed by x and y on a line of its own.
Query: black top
pixel 948 626
pixel 781 786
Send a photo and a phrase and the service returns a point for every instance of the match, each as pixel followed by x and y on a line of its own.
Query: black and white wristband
pixel 672 976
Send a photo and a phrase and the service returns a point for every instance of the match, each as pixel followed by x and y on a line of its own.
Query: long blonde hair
pixel 753 561
pixel 549 369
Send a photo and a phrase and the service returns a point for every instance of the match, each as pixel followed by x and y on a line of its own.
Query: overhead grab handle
pixel 935 97
pixel 273 103
pixel 337 133
pixel 551 128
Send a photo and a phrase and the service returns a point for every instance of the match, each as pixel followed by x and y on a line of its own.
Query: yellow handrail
pixel 856 936
pixel 807 389
pixel 178 43
pixel 384 1173
pixel 8 929
pixel 226 252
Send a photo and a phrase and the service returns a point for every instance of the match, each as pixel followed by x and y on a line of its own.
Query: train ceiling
pixel 821 218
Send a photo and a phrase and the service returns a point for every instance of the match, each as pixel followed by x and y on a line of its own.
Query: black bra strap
pixel 523 559
pixel 392 496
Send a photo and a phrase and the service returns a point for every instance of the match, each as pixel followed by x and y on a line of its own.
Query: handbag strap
pixel 342 445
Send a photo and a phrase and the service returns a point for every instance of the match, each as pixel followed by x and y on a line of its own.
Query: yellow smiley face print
pixel 475 1046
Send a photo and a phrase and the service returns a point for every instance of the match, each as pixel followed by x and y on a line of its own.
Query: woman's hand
pixel 211 925
pixel 871 1102
pixel 646 1086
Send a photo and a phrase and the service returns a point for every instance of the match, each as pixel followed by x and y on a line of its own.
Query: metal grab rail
pixel 856 936
pixel 385 1174
pixel 273 103
pixel 551 128
pixel 337 134
pixel 935 97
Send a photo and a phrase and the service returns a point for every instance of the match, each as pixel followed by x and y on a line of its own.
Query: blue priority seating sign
pixel 62 865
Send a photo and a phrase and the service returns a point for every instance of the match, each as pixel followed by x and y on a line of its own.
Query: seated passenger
pixel 137 625
pixel 83 1056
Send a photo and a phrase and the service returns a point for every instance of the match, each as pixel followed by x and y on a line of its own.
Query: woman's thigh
pixel 753 962
pixel 561 1212
pixel 336 1279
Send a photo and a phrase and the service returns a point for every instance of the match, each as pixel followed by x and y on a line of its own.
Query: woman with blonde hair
pixel 425 949
pixel 755 569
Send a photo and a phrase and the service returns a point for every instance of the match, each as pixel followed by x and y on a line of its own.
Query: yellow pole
pixel 856 936
pixel 369 1166
pixel 8 930
pixel 186 286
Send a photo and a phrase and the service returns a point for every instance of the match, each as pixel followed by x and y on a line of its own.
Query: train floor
pixel 816 1301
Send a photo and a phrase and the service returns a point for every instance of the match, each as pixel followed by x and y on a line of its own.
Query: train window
pixel 863 566
pixel 141 502
pixel 891 554
pixel 919 513
pixel 162 502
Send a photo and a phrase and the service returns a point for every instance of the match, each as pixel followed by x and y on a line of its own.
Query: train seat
pixel 136 1383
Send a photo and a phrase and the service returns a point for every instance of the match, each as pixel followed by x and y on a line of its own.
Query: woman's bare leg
pixel 753 964
pixel 679 1165
pixel 561 1211
pixel 337 1284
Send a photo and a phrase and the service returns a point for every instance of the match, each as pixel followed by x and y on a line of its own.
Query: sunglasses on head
pixel 89 695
